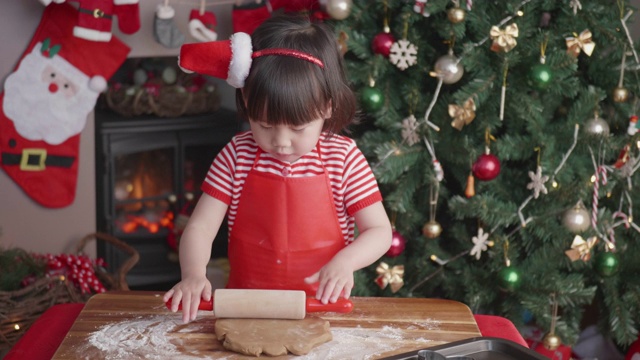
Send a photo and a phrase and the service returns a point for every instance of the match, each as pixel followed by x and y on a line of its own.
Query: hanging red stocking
pixel 202 24
pixel 247 18
pixel 45 104
pixel 95 17
pixel 128 13
pixel 294 6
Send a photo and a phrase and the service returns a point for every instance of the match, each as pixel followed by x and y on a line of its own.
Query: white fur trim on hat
pixel 240 64
pixel 98 84
pixel 125 2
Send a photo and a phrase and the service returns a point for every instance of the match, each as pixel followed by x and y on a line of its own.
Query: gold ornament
pixel 432 229
pixel 620 94
pixel 390 276
pixel 342 42
pixel 462 115
pixel 456 15
pixel 504 40
pixel 581 249
pixel 551 341
pixel 578 43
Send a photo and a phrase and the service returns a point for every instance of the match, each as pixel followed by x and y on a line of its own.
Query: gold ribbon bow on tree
pixel 504 40
pixel 582 42
pixel 462 115
pixel 391 276
pixel 581 249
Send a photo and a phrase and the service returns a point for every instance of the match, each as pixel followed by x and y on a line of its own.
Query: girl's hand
pixel 335 280
pixel 189 291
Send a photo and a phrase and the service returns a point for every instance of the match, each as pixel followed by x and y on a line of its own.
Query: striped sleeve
pixel 361 187
pixel 219 180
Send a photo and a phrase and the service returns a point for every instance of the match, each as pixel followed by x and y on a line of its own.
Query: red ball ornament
pixel 486 167
pixel 398 243
pixel 634 351
pixel 382 43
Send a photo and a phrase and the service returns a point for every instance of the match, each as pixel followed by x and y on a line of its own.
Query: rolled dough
pixel 271 336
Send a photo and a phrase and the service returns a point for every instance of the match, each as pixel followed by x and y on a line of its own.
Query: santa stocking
pixel 202 25
pixel 247 18
pixel 45 104
pixel 164 30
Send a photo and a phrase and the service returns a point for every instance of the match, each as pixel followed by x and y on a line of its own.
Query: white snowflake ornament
pixel 409 133
pixel 537 182
pixel 480 243
pixel 403 54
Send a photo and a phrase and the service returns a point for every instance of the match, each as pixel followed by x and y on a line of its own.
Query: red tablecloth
pixel 42 339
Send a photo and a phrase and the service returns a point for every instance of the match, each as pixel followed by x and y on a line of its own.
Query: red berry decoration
pixel 486 167
pixel 382 43
pixel 398 243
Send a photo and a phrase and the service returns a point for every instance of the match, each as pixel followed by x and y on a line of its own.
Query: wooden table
pixel 137 325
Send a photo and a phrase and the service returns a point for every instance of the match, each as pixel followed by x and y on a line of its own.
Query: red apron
pixel 285 229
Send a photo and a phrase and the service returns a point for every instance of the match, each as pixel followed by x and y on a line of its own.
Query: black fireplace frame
pixel 116 134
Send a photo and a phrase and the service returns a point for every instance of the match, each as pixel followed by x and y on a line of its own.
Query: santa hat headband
pixel 231 59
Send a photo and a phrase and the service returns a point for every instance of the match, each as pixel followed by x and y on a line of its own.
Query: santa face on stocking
pixel 47 98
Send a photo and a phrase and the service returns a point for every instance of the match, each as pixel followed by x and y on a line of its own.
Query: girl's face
pixel 285 142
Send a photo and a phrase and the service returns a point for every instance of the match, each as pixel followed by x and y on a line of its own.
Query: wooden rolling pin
pixel 266 304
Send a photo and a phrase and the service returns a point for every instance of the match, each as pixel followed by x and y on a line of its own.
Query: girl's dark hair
pixel 287 90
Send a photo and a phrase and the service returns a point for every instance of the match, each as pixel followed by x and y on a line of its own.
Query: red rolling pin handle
pixel 341 306
pixel 204 305
pixel 312 305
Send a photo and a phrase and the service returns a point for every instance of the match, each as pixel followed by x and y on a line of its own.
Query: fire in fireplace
pixel 148 174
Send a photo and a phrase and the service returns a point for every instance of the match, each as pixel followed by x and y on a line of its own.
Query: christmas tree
pixel 503 137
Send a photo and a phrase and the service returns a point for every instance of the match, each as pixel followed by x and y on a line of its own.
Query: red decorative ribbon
pixel 288 52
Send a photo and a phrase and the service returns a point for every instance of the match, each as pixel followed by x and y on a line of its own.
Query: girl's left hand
pixel 335 280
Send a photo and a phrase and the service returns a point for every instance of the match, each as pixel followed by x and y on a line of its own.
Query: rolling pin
pixel 266 304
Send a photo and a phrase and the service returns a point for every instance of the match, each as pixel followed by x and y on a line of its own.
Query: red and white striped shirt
pixel 352 182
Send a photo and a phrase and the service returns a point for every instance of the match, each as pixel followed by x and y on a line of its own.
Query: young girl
pixel 293 189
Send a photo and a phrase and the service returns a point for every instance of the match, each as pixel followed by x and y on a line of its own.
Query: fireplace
pixel 148 174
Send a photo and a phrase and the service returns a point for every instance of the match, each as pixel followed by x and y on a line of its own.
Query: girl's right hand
pixel 189 292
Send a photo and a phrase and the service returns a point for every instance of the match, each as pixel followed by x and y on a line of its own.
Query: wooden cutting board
pixel 137 325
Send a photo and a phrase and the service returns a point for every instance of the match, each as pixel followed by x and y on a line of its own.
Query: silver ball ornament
pixel 449 69
pixel 597 126
pixel 337 9
pixel 577 219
